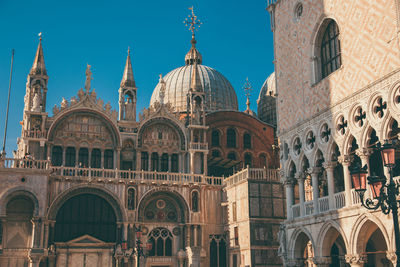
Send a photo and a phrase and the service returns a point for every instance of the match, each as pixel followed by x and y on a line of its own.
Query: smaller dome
pixel 268 88
pixel 193 55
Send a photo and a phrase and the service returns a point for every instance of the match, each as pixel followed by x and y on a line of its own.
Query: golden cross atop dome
pixel 192 22
pixel 247 87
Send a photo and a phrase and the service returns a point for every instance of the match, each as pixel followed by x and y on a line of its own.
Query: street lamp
pixel 384 192
pixel 139 248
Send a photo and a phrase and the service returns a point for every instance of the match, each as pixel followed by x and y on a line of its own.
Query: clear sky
pixel 235 39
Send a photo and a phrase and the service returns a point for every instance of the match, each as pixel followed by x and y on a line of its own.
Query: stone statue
pixel 282 240
pixel 129 109
pixel 88 78
pixel 36 102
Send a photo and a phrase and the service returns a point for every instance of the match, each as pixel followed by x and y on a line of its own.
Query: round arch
pixel 177 199
pixel 163 120
pixel 108 122
pixel 19 191
pixel 85 189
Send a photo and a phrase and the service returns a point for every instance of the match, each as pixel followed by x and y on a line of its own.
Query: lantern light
pixel 359 177
pixel 376 184
pixel 388 154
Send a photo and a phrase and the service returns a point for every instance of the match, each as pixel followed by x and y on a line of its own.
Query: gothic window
pixel 247 160
pixel 164 162
pixel 161 240
pixel 108 159
pixel 154 161
pixel 56 156
pixel 131 199
pixel 195 201
pixel 330 49
pixel 174 163
pixel 70 157
pixel 246 141
pixel 231 138
pixel 145 161
pixel 218 251
pixel 96 158
pixel 215 138
pixel 86 214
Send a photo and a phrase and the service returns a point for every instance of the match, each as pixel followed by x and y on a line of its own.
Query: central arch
pixel 108 196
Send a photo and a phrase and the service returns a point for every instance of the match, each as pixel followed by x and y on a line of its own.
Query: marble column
pixel 345 161
pixel 300 181
pixel 314 176
pixel 330 167
pixel 191 162
pixel 364 156
pixel 289 197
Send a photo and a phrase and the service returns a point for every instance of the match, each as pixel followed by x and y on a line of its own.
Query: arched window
pixel 246 141
pixel 70 157
pixel 195 201
pixel 164 162
pixel 161 240
pixel 232 156
pixel 108 159
pixel 174 163
pixel 215 138
pixel 96 158
pixel 83 160
pixel 131 199
pixel 145 161
pixel 218 253
pixel 330 49
pixel 215 153
pixel 231 138
pixel 56 156
pixel 263 161
pixel 247 160
pixel 154 161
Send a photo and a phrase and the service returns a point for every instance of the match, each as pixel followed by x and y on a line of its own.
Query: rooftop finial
pixel 192 22
pixel 129 51
pixel 247 89
pixel 89 78
pixel 40 36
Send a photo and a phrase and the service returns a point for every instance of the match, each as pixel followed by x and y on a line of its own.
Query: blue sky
pixel 235 39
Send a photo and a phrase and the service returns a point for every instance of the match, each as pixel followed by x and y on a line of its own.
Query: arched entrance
pixel 16 230
pixel 86 228
pixel 162 215
pixel 371 241
pixel 334 248
pixel 303 250
pixel 86 214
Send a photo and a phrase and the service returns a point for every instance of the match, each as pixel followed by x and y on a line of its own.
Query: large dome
pixel 219 93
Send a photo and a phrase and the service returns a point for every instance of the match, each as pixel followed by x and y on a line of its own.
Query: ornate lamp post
pixel 139 247
pixel 384 192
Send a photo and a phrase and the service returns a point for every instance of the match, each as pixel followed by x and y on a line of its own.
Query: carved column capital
pixel 314 170
pixel 364 152
pixel 356 258
pixel 391 255
pixel 329 165
pixel 300 176
pixel 344 160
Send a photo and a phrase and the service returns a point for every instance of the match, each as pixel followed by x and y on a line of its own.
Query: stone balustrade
pixel 253 174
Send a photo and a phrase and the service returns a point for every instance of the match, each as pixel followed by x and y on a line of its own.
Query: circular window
pixel 160 204
pixel 298 11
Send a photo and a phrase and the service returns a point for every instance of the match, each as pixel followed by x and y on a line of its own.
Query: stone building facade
pixel 84 180
pixel 337 79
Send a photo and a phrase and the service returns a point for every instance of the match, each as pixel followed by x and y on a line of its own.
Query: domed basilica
pixel 191 182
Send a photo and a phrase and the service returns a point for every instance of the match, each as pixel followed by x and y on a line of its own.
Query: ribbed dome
pixel 219 93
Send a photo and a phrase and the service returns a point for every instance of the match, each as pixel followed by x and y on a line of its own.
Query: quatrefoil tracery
pixel 342 125
pixel 379 108
pixel 359 117
pixel 325 133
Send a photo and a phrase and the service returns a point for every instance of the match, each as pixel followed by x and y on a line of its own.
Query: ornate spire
pixel 247 88
pixel 162 90
pixel 193 25
pixel 127 78
pixel 195 83
pixel 38 66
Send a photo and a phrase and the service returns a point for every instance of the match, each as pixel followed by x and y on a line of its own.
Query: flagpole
pixel 3 152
